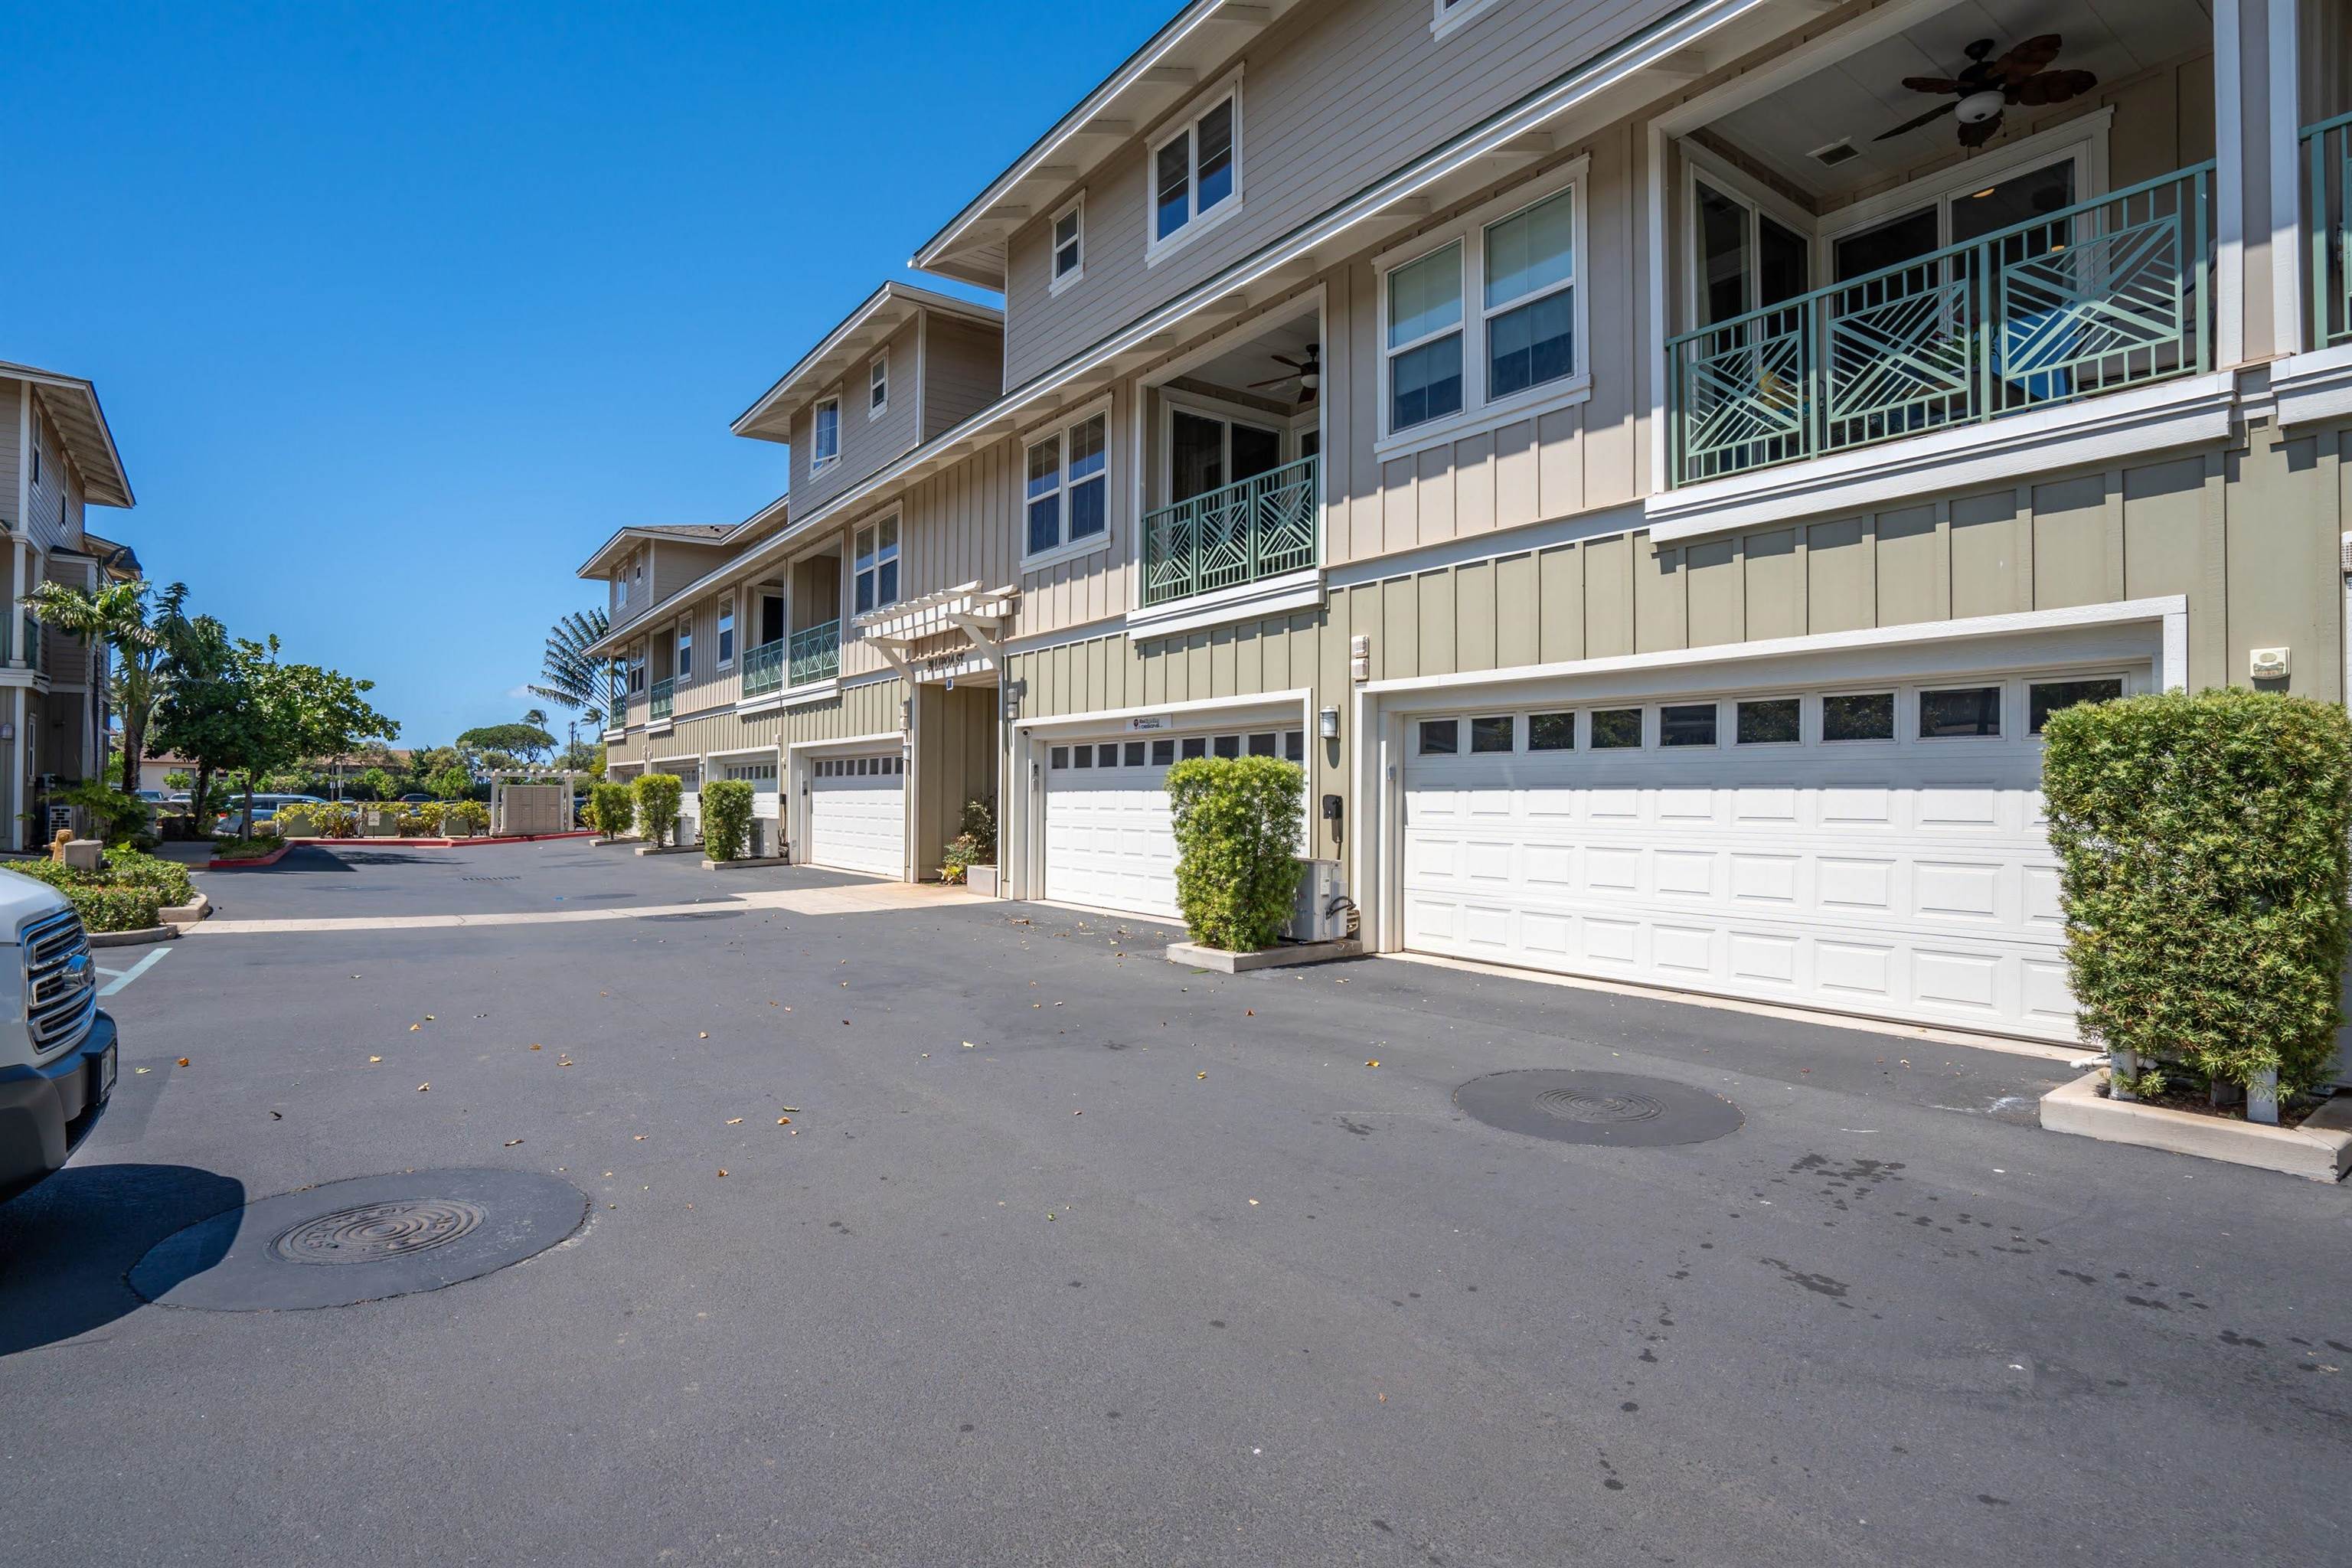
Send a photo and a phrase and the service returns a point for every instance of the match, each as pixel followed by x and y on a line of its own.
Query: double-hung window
pixel 876 563
pixel 877 385
pixel 1484 318
pixel 1068 486
pixel 1196 171
pixel 824 448
pixel 726 631
pixel 685 651
pixel 1069 244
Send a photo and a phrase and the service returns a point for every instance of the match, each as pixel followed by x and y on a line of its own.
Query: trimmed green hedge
pixel 127 894
pixel 657 799
pixel 612 808
pixel 2204 849
pixel 726 818
pixel 1237 869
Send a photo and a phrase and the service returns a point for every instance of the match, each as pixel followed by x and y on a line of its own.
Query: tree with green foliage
pixel 452 783
pixel 527 742
pixel 726 818
pixel 1237 823
pixel 658 801
pixel 138 624
pixel 573 679
pixel 375 784
pixel 614 807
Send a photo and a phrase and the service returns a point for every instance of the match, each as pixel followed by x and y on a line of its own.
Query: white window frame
pixel 1479 412
pixel 1184 125
pixel 1056 279
pixel 1058 429
pixel 2081 141
pixel 897 553
pixel 818 464
pixel 1448 19
pixel 1175 400
pixel 1759 201
pixel 681 664
pixel 636 661
pixel 727 636
pixel 877 379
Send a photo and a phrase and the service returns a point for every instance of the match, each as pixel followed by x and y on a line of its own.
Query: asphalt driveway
pixel 1068 1255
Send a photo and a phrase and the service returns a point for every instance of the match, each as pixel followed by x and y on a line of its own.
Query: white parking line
pixel 123 977
pixel 850 900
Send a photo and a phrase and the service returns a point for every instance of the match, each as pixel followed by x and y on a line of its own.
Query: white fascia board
pixel 2098 430
pixel 1270 702
pixel 2313 386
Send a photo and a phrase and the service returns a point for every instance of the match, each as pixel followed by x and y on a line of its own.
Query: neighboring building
pixel 1657 499
pixel 56 460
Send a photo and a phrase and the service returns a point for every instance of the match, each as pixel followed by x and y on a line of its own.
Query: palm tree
pixel 140 624
pixel 572 676
pixel 535 716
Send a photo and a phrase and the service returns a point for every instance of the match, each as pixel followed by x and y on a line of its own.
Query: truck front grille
pixel 60 985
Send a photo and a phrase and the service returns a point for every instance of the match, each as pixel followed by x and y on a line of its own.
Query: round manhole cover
pixel 361 1240
pixel 1616 1109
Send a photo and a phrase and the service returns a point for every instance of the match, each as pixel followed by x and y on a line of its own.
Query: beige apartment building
pixel 1655 465
pixel 57 459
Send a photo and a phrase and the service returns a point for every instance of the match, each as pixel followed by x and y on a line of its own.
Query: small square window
pixel 1111 755
pixel 1162 753
pixel 1498 734
pixel 1135 753
pixel 1196 746
pixel 1972 711
pixel 1686 724
pixel 1551 732
pixel 1440 737
pixel 1061 757
pixel 2047 697
pixel 1614 729
pixel 1083 756
pixel 1863 716
pixel 1262 744
pixel 1228 746
pixel 1771 721
pixel 1294 745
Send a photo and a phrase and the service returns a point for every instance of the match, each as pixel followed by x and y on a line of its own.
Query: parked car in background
pixel 265 806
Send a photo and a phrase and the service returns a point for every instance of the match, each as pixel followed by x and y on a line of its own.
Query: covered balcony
pixel 1235 466
pixel 1953 223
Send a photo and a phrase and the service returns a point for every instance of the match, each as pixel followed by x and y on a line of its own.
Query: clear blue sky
pixel 367 290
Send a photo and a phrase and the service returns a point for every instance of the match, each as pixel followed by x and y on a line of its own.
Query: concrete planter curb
pixel 132 938
pixel 1194 954
pixel 744 860
pixel 980 879
pixel 2319 1150
pixel 257 861
pixel 669 848
pixel 185 914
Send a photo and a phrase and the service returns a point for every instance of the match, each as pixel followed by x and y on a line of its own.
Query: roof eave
pixel 769 417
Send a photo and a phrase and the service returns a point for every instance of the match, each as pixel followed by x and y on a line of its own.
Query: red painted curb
pixel 443 843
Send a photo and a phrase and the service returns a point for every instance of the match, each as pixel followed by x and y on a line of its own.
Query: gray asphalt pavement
pixel 1068 1255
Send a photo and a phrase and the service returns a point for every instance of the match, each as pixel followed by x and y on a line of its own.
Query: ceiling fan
pixel 1985 87
pixel 1308 372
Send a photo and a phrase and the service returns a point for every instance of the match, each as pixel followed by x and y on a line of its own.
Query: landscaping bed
pixel 127 894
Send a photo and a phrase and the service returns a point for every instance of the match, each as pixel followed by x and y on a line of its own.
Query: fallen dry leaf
pixel 722 1172
pixel 375 1058
pixel 639 1138
pixel 795 1109
pixel 428 1018
pixel 703 1035
pixel 1078 1113
pixel 1252 1203
pixel 512 1142
pixel 784 1120
pixel 1373 1063
pixel 276 1116
pixel 734 1121
pixel 141 1072
pixel 183 1061
pixel 423 1087
pixel 534 1047
pixel 1249 1011
pixel 1199 1074
pixel 413 1027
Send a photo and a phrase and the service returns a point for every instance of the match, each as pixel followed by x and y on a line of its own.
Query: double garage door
pixel 857 812
pixel 1871 849
pixel 1108 840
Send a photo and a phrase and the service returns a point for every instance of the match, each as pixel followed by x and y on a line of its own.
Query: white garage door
pixel 1873 849
pixel 762 777
pixel 1108 842
pixel 857 812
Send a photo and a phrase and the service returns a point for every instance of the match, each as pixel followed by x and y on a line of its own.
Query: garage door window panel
pixel 1616 729
pixel 1195 746
pixel 1440 737
pixel 1551 732
pixel 1498 732
pixel 1163 753
pixel 1686 724
pixel 1864 716
pixel 2044 697
pixel 1972 712
pixel 1770 721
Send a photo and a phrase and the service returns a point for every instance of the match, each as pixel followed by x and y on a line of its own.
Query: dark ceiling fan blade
pixel 1980 132
pixel 1931 84
pixel 2028 56
pixel 2051 87
pixel 1936 113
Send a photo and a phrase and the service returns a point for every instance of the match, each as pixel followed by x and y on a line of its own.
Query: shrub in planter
pixel 2203 866
pixel 464 816
pixel 973 845
pixel 169 878
pixel 1238 821
pixel 726 818
pixel 612 809
pixel 657 797
pixel 103 902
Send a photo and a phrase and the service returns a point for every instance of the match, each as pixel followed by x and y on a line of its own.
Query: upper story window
pixel 877 385
pixel 1068 487
pixel 638 575
pixel 726 631
pixel 1069 244
pixel 1484 318
pixel 824 446
pixel 1196 170
pixel 637 671
pixel 37 449
pixel 875 550
pixel 685 670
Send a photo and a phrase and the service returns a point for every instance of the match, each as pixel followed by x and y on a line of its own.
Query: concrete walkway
pixel 874 898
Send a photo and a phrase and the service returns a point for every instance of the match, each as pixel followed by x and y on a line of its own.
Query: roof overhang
pixel 118 561
pixel 72 408
pixel 1174 63
pixel 596 565
pixel 876 320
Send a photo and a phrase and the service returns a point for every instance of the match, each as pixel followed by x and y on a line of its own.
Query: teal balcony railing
pixel 664 699
pixel 1261 526
pixel 763 669
pixel 2091 299
pixel 2327 223
pixel 815 653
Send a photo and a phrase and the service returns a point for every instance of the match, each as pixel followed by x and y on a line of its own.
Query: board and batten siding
pixel 955 762
pixel 866 444
pixel 1333 98
pixel 964 371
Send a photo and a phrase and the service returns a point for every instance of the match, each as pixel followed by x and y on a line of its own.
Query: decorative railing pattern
pixel 2106 294
pixel 763 669
pixel 2327 223
pixel 664 699
pixel 815 653
pixel 1261 526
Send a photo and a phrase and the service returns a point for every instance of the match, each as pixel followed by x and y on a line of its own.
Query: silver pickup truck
pixel 57 1048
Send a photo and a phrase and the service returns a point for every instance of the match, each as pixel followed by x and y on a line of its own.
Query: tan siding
pixel 963 372
pixel 866 444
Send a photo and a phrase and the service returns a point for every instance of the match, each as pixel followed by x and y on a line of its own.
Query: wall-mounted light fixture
pixel 1327 723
